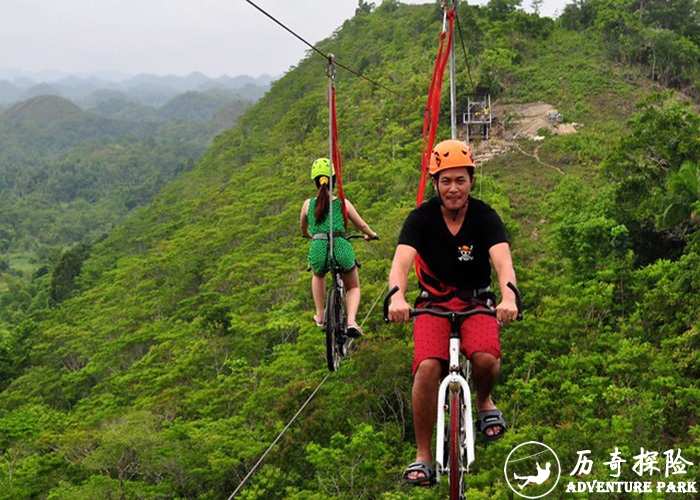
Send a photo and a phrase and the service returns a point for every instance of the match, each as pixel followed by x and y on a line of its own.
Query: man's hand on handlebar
pixel 507 311
pixel 399 309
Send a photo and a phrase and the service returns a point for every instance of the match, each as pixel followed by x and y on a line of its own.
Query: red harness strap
pixel 430 123
pixel 336 158
pixel 432 107
pixel 429 282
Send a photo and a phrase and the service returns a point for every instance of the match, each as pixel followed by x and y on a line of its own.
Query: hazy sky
pixel 214 37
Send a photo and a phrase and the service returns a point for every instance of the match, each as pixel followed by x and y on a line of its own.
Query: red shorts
pixel 431 335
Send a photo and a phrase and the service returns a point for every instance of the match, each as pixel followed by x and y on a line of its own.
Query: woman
pixel 315 220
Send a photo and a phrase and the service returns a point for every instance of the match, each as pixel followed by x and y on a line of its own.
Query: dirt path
pixel 536 157
pixel 521 121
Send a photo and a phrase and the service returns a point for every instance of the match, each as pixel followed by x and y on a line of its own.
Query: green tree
pixel 682 195
pixel 665 133
pixel 351 467
pixel 499 9
pixel 66 270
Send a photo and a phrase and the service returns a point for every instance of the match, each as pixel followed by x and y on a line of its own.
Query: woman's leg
pixel 351 279
pixel 318 290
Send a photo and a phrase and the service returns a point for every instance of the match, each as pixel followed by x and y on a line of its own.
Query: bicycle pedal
pixel 354 332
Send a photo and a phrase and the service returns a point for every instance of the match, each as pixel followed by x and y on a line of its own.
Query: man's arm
pixel 503 265
pixel 400 267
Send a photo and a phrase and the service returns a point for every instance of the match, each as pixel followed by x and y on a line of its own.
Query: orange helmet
pixel 450 154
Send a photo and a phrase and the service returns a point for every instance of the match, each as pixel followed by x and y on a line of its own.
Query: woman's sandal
pixel 354 332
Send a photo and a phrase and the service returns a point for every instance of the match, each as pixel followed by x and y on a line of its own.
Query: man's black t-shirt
pixel 461 260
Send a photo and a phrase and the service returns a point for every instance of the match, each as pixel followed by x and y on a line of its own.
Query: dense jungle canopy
pixel 161 360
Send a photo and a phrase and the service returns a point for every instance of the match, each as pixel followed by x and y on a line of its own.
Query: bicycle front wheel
pixel 455 446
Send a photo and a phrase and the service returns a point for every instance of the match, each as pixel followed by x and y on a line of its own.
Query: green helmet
pixel 320 167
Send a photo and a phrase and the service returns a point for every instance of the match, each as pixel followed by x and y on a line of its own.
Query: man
pixel 453 240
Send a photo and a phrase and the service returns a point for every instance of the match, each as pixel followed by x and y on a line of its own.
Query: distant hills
pixel 42 109
pixel 72 168
pixel 49 124
pixel 93 91
pixel 190 106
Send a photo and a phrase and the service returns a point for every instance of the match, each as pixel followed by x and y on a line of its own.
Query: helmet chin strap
pixel 455 213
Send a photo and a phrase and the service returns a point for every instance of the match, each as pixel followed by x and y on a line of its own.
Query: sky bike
pixel 335 322
pixel 454 442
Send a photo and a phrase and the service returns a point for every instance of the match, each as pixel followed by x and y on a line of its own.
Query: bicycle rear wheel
pixel 332 348
pixel 455 447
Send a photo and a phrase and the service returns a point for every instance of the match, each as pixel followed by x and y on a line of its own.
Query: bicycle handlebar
pixel 454 314
pixel 360 237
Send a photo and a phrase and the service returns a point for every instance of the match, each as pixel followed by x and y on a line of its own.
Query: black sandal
pixel 424 468
pixel 487 419
pixel 354 332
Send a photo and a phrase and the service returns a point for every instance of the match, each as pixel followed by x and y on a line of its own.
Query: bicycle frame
pixel 456 386
pixel 452 383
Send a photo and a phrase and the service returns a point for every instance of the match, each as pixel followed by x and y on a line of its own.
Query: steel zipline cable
pixel 301 409
pixel 464 51
pixel 269 449
pixel 331 60
pixel 320 52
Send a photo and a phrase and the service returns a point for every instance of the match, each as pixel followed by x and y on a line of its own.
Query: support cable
pixel 303 407
pixel 335 156
pixel 330 73
pixel 464 51
pixel 269 449
pixel 386 284
pixel 331 61
pixel 325 56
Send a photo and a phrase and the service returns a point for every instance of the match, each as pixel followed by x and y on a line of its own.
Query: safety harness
pixel 326 236
pixel 336 159
pixel 433 290
pixel 432 107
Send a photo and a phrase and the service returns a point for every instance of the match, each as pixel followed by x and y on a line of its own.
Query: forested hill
pixel 184 341
pixel 69 175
